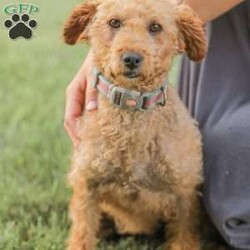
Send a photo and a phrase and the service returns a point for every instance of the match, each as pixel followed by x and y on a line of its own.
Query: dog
pixel 140 160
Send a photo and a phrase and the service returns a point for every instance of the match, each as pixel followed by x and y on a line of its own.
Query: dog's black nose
pixel 132 60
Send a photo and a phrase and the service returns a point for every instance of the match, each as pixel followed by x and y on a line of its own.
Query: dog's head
pixel 134 41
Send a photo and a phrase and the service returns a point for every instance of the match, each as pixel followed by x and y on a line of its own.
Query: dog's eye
pixel 155 28
pixel 115 23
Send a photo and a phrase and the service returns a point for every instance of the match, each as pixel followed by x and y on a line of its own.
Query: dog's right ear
pixel 76 27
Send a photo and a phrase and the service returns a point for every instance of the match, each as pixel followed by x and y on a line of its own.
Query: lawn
pixel 34 148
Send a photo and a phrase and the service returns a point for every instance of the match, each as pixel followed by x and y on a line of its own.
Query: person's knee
pixel 226 198
pixel 232 220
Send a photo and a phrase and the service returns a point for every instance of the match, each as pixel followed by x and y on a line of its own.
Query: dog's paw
pixel 183 246
pixel 215 246
pixel 20 26
pixel 78 246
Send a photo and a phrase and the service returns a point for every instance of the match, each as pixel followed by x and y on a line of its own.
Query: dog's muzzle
pixel 132 60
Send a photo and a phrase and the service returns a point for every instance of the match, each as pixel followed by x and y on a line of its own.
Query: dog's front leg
pixel 184 227
pixel 85 218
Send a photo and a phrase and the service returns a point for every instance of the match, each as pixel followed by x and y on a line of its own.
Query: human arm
pixel 211 9
pixel 79 94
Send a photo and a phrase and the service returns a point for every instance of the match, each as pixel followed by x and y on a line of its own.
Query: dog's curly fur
pixel 138 167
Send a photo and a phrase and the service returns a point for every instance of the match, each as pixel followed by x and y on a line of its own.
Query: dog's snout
pixel 132 60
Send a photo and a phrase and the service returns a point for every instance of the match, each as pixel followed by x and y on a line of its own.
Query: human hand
pixel 79 94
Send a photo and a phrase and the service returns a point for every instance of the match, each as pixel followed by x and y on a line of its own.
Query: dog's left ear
pixel 192 37
pixel 76 27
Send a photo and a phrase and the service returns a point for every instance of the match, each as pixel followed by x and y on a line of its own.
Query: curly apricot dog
pixel 140 159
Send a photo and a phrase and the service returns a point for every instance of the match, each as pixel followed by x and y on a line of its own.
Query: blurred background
pixel 34 148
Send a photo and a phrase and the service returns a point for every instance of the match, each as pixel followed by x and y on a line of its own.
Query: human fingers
pixel 75 97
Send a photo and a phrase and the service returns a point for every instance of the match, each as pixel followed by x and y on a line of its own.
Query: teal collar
pixel 126 98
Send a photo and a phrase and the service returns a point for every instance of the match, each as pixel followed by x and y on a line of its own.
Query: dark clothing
pixel 217 93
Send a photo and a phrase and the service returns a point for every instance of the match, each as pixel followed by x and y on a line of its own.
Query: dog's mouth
pixel 131 74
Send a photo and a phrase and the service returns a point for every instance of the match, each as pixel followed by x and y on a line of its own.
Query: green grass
pixel 34 148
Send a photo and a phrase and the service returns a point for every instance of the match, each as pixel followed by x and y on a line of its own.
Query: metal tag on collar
pixel 163 101
pixel 126 99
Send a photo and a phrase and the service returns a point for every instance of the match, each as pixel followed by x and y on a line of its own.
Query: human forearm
pixel 210 9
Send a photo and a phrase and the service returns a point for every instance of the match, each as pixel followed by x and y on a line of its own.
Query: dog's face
pixel 134 41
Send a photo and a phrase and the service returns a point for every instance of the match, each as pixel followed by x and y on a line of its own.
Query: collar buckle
pixel 126 99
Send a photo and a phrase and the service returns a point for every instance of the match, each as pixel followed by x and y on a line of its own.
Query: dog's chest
pixel 126 156
pixel 122 151
pixel 130 178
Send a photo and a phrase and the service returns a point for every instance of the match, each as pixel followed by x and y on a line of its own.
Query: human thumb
pixel 91 95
